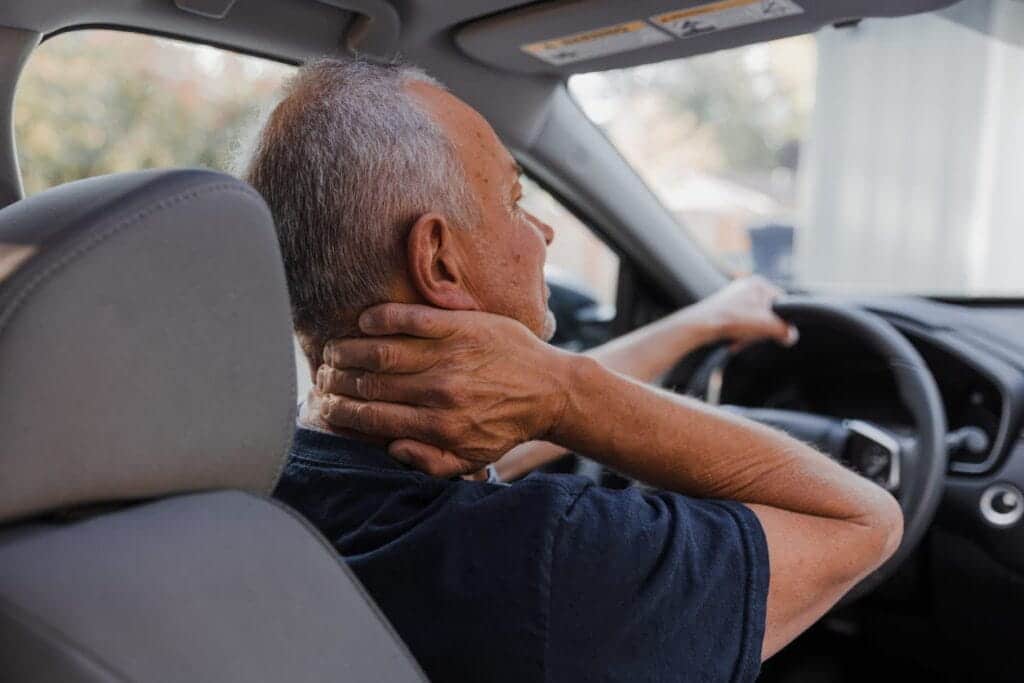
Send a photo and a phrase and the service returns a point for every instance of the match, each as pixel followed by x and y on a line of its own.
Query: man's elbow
pixel 892 527
pixel 870 539
pixel 883 526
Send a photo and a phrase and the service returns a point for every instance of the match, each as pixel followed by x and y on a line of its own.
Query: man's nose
pixel 545 229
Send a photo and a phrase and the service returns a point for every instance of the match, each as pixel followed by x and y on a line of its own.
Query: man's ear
pixel 436 264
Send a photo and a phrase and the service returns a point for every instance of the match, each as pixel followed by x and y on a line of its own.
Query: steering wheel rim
pixel 925 465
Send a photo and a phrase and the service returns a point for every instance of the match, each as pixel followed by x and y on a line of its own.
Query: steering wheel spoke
pixel 874 453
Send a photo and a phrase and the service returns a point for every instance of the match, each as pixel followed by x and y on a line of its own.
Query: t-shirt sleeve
pixel 656 587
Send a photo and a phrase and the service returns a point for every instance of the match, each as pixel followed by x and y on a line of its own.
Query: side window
pixel 582 272
pixel 95 101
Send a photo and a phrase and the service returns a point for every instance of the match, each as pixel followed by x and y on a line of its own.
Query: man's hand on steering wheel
pixel 741 312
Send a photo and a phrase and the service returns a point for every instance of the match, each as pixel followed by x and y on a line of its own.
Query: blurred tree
pixel 716 136
pixel 739 111
pixel 94 101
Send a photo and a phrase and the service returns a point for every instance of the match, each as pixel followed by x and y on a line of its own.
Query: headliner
pixel 488 32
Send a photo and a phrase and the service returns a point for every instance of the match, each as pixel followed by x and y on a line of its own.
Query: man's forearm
pixel 683 445
pixel 651 351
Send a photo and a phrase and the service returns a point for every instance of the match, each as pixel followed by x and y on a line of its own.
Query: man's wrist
pixel 578 376
pixel 700 324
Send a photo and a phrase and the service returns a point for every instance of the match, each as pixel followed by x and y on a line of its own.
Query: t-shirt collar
pixel 343 450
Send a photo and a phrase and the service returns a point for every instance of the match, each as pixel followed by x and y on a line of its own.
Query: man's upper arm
pixel 814 562
pixel 646 586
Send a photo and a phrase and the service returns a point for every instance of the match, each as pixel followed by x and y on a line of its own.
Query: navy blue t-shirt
pixel 549 579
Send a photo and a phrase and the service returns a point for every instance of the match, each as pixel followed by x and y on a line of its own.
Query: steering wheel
pixel 911 465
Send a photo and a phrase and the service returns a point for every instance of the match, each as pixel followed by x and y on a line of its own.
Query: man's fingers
pixel 782 332
pixel 392 354
pixel 411 389
pixel 792 336
pixel 431 459
pixel 411 319
pixel 373 418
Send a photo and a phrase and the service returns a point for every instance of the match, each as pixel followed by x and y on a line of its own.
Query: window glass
pixel 95 101
pixel 577 256
pixel 869 157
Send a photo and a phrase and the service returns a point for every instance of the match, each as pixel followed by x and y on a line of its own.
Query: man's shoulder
pixel 539 500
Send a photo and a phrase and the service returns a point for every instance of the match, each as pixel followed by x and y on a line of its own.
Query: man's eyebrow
pixel 517 168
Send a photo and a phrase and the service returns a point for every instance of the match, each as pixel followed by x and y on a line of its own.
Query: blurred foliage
pixel 737 111
pixel 716 136
pixel 94 101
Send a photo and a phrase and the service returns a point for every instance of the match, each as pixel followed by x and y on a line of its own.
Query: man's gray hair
pixel 347 161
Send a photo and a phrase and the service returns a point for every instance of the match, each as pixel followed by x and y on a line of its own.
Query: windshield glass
pixel 883 156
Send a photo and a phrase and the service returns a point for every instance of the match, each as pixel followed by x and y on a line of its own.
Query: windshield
pixel 883 156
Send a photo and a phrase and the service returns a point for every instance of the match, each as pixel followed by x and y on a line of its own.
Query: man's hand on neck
pixel 410 381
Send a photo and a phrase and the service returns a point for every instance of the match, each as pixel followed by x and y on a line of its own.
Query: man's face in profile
pixel 505 253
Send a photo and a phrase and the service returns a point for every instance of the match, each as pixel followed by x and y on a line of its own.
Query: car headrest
pixel 145 346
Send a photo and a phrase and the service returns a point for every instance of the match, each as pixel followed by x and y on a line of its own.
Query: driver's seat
pixel 146 408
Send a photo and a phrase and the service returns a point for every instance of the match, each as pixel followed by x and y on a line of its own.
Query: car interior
pixel 148 377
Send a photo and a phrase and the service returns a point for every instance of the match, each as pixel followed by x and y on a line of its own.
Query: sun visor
pixel 566 37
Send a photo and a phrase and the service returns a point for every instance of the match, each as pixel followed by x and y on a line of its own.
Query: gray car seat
pixel 146 408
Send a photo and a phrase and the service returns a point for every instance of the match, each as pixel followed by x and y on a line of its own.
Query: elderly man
pixel 398 217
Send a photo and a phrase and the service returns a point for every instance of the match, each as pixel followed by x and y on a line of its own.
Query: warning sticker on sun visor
pixel 696 21
pixel 600 42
